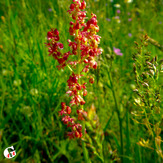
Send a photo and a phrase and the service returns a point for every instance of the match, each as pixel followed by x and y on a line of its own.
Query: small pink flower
pixel 108 19
pixel 118 11
pixel 129 34
pixel 50 10
pixel 117 51
pixel 130 19
pixel 116 17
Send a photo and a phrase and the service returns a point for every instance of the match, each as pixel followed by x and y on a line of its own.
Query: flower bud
pixel 83 5
pixel 63 104
pixel 72 6
pixel 95 65
pixel 49 35
pixel 68 110
pixel 86 61
pixel 77 135
pixel 78 87
pixel 71 23
pixel 85 92
pixel 56 32
pixel 91 80
pixel 77 26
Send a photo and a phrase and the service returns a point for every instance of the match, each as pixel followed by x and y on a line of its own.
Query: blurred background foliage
pixel 32 88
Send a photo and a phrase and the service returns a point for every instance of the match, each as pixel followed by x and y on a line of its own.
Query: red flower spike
pixel 85 45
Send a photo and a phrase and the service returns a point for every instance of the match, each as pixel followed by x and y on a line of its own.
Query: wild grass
pixel 31 87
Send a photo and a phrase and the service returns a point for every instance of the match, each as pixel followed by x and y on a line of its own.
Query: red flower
pixel 85 92
pixel 83 51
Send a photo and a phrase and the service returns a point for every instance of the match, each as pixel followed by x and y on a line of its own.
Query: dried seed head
pixel 152 72
pixel 136 43
pixel 145 84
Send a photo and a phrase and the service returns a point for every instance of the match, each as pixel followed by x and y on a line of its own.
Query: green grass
pixel 32 88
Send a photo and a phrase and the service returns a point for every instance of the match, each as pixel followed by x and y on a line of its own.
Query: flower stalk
pixel 147 95
pixel 118 113
pixel 79 60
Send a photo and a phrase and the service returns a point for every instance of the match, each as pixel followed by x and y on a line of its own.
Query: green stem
pixel 118 113
pixel 148 124
pixel 85 152
pixel 70 68
pixel 108 122
pixel 154 135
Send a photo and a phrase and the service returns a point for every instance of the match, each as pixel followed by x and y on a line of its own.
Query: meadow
pixel 124 121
